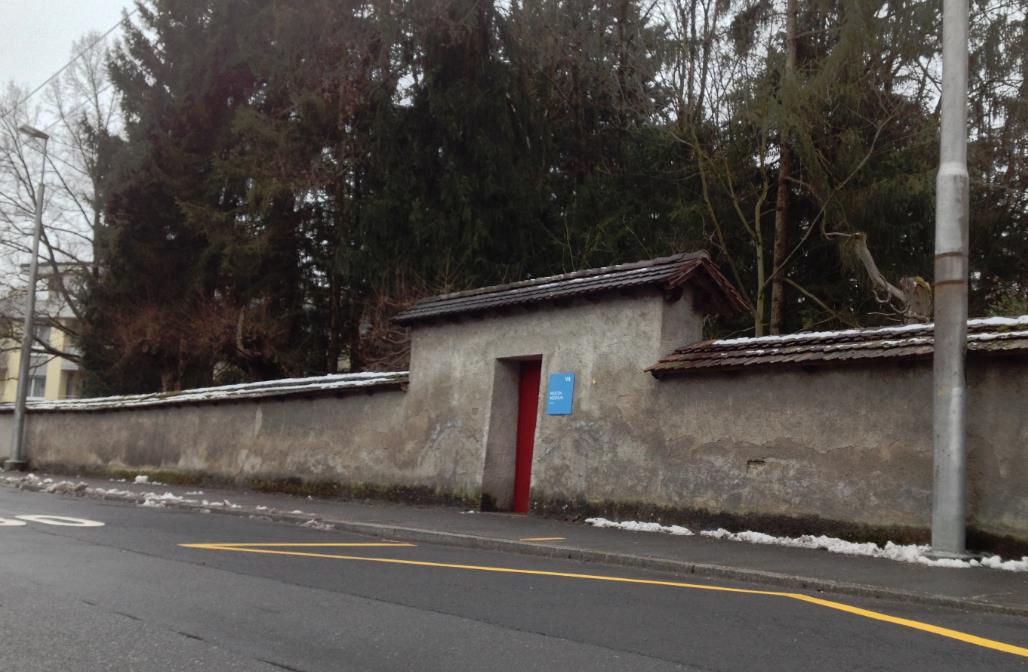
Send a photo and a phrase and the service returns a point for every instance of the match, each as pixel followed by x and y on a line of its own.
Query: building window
pixel 71 385
pixel 38 361
pixel 41 334
pixel 37 375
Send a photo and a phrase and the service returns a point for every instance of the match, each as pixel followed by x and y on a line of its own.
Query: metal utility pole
pixel 17 460
pixel 949 493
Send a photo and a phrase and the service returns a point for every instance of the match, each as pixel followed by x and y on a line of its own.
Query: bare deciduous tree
pixel 77 110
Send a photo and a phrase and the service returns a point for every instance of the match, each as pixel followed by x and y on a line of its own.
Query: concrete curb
pixel 678 567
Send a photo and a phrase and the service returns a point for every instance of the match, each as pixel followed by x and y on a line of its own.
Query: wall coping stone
pixel 286 387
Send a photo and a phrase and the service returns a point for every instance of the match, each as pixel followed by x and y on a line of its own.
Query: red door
pixel 528 408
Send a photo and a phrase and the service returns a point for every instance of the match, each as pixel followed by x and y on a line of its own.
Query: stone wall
pixel 463 386
pixel 849 444
pixel 321 436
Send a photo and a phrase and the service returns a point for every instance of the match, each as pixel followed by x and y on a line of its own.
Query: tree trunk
pixel 780 247
pixel 334 345
pixel 781 244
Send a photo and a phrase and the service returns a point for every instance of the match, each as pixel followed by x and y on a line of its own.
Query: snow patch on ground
pixel 911 553
pixel 48 484
pixel 65 487
pixel 996 562
pixel 112 492
pixel 891 551
pixel 147 499
pixel 143 479
pixel 152 499
pixel 223 504
pixel 633 526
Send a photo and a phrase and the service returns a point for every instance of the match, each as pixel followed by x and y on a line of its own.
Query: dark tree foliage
pixel 293 171
pixel 168 218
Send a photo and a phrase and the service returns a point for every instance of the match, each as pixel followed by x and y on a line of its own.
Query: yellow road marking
pixel 829 604
pixel 543 539
pixel 225 547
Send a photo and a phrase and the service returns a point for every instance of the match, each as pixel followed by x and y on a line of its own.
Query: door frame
pixel 529 389
pixel 499 460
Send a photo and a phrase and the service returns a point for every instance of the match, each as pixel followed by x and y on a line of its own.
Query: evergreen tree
pixel 291 172
pixel 155 309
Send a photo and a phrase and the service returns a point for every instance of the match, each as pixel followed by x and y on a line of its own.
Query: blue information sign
pixel 561 396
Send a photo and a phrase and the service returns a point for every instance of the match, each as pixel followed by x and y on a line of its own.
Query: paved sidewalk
pixel 976 589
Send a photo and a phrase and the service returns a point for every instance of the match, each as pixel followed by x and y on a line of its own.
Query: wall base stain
pixel 322 489
pixel 488 503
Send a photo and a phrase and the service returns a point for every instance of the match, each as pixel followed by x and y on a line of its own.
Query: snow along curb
pixel 159 500
pixel 909 553
pixel 413 534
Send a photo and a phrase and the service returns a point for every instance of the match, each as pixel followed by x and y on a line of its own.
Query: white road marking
pixel 61 521
pixel 10 522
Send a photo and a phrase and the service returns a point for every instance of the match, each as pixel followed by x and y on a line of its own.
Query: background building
pixel 54 372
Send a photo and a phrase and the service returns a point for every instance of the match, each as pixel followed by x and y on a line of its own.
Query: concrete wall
pixel 463 385
pixel 350 439
pixel 848 443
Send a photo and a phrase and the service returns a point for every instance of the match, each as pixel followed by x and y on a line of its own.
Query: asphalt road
pixel 173 590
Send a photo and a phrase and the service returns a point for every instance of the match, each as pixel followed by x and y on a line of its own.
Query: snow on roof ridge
pixel 887 343
pixel 992 336
pixel 998 321
pixel 223 392
pixel 899 329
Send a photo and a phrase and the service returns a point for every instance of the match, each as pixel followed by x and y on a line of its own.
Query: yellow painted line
pixel 228 547
pixel 838 606
pixel 543 539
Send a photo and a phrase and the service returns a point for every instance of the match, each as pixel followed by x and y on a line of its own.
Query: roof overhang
pixel 715 293
pixel 995 336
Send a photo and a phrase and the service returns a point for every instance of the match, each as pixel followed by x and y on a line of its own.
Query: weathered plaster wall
pixel 500 449
pixel 850 444
pixel 351 439
pixel 465 403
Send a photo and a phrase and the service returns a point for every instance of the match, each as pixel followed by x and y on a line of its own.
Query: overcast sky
pixel 36 35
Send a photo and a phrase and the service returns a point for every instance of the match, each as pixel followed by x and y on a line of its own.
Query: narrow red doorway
pixel 528 409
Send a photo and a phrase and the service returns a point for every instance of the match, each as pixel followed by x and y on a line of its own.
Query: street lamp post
pixel 18 460
pixel 949 431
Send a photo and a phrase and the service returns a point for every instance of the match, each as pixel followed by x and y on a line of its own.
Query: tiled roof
pixel 285 387
pixel 992 335
pixel 667 272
